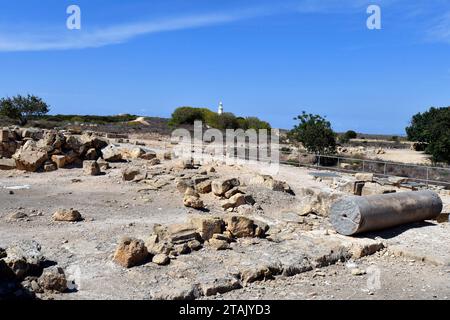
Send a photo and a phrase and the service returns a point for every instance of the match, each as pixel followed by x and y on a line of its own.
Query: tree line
pixel 430 128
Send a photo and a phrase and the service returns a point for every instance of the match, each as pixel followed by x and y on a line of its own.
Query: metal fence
pixel 417 173
pixel 420 174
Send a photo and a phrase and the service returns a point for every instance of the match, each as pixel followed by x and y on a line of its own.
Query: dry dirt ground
pixel 402 156
pixel 412 262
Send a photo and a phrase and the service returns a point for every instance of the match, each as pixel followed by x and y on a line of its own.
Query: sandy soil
pixel 402 156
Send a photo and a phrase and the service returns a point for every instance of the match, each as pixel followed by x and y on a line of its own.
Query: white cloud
pixel 114 34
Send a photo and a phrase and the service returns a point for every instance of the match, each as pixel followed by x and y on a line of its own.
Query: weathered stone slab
pixel 210 272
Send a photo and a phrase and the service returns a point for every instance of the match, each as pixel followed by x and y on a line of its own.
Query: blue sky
pixel 270 59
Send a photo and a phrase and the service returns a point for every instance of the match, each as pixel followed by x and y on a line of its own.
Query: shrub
pixel 188 115
pixel 350 134
pixel 347 136
pixel 433 129
pixel 315 133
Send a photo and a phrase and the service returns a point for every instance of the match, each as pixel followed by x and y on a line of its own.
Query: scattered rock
pixel 50 166
pixel 240 227
pixel 358 272
pixel 130 252
pixel 132 174
pixel 183 183
pixel 194 245
pixel 103 164
pixel 245 210
pixel 221 186
pixel 184 164
pixel 233 192
pixel 192 199
pixel 222 285
pixel 261 228
pixel 181 249
pixel 18 215
pixel 270 183
pixel 204 187
pixel 154 162
pixel 161 259
pixel 207 226
pixel 53 279
pixel 112 154
pixel 67 215
pixel 234 202
pixel 218 244
pixel 155 246
pixel 60 160
pixel 91 168
pixel 24 258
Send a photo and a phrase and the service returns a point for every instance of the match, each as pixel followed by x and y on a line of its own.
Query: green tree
pixel 186 115
pixel 227 120
pixel 433 129
pixel 315 133
pixel 23 108
pixel 255 123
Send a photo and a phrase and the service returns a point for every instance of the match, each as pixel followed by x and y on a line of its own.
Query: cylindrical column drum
pixel 353 215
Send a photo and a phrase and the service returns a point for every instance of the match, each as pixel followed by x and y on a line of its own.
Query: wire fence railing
pixel 414 173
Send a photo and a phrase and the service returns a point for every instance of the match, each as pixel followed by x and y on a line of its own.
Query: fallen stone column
pixel 353 215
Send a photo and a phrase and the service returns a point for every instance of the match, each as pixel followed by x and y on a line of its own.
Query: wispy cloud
pixel 115 34
pixel 441 29
pixel 110 35
pixel 89 37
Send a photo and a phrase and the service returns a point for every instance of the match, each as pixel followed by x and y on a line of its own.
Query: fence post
pixel 385 170
pixel 364 166
pixel 428 177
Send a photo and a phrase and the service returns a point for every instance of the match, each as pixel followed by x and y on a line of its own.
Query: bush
pixel 188 115
pixel 315 133
pixel 433 129
pixel 346 137
pixel 350 134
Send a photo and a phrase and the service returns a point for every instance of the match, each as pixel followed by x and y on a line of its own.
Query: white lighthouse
pixel 220 111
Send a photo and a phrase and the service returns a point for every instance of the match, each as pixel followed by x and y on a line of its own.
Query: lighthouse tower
pixel 220 111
